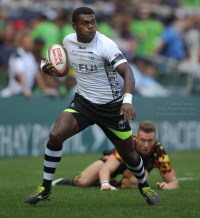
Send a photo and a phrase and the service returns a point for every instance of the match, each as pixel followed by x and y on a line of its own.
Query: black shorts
pixel 106 116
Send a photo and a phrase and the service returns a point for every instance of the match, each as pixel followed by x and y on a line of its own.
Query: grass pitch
pixel 21 176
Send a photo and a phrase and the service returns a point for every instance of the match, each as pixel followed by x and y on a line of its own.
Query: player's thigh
pixel 67 125
pixel 90 175
pixel 123 142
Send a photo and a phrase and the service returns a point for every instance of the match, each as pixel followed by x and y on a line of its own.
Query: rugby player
pixel 96 60
pixel 111 164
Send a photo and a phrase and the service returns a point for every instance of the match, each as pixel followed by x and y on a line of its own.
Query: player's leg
pixel 67 125
pixel 123 141
pixel 90 175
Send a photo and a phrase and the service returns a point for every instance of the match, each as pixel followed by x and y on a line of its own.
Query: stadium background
pixel 167 86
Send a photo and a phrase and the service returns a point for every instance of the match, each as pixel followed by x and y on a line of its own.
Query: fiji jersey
pixel 94 64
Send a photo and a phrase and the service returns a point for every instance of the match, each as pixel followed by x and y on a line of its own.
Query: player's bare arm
pixel 170 181
pixel 129 85
pixel 104 174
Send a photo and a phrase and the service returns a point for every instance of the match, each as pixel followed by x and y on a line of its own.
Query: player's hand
pixel 47 67
pixel 128 110
pixel 163 186
pixel 108 187
pixel 28 93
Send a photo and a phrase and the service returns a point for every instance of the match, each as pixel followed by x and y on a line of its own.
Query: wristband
pixel 104 183
pixel 127 98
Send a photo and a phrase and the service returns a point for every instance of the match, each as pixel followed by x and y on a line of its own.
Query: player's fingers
pixel 130 116
pixel 162 185
pixel 166 187
pixel 121 112
pixel 125 116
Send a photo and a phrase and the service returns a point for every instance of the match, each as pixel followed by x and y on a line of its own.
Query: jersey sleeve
pixel 117 156
pixel 113 54
pixel 161 160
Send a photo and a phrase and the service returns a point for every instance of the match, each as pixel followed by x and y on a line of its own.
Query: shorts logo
pixel 122 124
pixel 72 105
pixel 91 56
pixel 57 56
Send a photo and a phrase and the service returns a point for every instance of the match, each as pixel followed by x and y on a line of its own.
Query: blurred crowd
pixel 158 37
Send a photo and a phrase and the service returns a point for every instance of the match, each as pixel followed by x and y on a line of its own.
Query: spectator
pixel 146 84
pixel 147 30
pixel 171 44
pixel 47 30
pixel 22 69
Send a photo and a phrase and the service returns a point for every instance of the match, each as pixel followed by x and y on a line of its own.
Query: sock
pixel 52 158
pixel 138 172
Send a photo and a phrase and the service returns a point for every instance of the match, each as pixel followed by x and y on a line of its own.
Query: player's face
pixel 85 28
pixel 145 142
pixel 27 43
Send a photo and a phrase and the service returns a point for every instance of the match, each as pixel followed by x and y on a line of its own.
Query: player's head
pixel 146 137
pixel 25 40
pixel 84 23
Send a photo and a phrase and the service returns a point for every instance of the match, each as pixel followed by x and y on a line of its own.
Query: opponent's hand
pixel 108 187
pixel 28 93
pixel 47 68
pixel 163 186
pixel 128 109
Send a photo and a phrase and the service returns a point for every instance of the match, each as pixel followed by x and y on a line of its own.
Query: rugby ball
pixel 57 55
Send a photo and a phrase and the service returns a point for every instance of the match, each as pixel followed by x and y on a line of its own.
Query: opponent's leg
pixel 88 177
pixel 65 127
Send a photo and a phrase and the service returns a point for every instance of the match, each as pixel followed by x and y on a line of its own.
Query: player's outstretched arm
pixel 170 181
pixel 104 174
pixel 129 85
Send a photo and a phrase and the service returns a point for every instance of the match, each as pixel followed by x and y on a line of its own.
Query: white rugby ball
pixel 57 55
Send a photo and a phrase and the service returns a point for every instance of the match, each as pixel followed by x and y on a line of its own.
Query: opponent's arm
pixel 129 85
pixel 104 174
pixel 170 181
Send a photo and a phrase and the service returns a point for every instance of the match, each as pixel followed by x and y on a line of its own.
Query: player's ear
pixel 74 26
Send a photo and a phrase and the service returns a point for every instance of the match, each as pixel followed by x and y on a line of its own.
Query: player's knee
pixel 80 181
pixel 55 138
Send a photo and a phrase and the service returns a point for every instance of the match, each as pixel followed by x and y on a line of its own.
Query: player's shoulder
pixel 104 40
pixel 69 37
pixel 158 146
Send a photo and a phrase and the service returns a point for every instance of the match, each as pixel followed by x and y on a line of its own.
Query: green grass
pixel 21 176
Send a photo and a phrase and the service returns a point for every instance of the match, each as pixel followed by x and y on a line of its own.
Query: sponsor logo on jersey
pixel 84 67
pixel 91 55
pixel 117 54
pixel 82 47
pixel 58 56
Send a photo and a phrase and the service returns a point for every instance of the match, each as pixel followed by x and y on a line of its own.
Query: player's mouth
pixel 90 33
